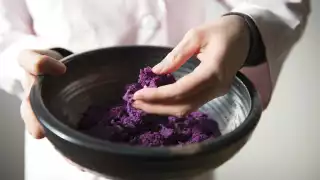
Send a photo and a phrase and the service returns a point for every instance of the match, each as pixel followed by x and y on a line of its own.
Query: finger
pixel 38 64
pixel 178 110
pixel 182 108
pixel 188 85
pixel 32 124
pixel 189 46
pixel 27 82
pixel 55 55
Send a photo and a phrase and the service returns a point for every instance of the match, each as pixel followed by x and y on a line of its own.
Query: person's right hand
pixel 36 62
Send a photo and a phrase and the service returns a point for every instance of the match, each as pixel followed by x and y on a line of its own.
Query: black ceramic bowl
pixel 99 76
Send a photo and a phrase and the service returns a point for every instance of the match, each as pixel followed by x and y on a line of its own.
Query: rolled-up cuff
pixel 256 54
pixel 277 32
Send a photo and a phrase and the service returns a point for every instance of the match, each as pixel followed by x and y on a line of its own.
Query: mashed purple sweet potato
pixel 125 124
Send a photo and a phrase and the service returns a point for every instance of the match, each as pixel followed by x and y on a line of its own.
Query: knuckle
pixel 32 61
pixel 194 35
pixel 27 82
pixel 181 112
pixel 22 56
pixel 53 54
pixel 178 91
pixel 172 57
pixel 26 52
pixel 177 96
pixel 33 127
pixel 24 111
pixel 40 63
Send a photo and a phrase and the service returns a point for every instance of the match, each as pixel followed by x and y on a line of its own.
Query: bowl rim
pixel 49 122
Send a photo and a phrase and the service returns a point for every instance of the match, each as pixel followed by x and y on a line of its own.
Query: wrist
pixel 256 54
pixel 236 44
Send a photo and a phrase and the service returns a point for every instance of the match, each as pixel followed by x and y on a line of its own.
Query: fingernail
pixel 61 66
pixel 158 68
pixel 136 95
pixel 57 67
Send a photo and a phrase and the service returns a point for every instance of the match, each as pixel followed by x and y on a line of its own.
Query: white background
pixel 285 145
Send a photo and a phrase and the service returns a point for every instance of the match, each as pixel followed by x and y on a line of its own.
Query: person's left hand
pixel 222 48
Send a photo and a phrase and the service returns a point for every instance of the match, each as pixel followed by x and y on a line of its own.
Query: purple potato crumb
pixel 151 139
pixel 125 124
pixel 166 132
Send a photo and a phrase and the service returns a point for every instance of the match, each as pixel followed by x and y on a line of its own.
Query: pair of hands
pixel 221 46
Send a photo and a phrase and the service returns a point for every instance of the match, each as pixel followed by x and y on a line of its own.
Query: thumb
pixel 187 47
pixel 40 62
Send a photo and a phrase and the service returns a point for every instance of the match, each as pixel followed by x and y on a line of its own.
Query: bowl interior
pixel 99 77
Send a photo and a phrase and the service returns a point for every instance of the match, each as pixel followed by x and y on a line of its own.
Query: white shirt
pixel 80 25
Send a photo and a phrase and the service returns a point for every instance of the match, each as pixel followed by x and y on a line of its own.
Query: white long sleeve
pixel 16 34
pixel 280 22
pixel 82 24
